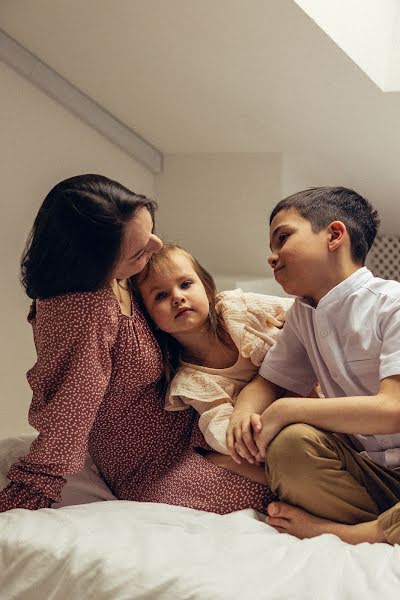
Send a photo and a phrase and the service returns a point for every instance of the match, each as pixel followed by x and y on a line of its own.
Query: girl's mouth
pixel 183 311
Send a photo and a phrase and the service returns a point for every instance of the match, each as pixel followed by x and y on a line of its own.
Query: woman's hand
pixel 240 436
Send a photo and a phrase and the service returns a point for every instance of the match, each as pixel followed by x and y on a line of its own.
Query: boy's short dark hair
pixel 322 205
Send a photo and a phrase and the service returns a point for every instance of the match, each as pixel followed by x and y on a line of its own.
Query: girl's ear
pixel 337 234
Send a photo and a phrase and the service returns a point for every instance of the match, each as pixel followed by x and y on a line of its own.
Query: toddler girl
pixel 212 344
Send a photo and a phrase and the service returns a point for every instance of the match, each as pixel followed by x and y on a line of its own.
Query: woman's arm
pixel 69 380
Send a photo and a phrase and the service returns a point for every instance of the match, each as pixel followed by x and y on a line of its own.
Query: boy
pixel 343 331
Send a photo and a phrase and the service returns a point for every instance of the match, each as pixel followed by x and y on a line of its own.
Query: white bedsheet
pixel 126 550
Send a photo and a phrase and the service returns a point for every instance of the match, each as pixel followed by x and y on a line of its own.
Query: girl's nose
pixel 177 299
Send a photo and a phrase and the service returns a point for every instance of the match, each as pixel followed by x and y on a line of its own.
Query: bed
pixel 108 549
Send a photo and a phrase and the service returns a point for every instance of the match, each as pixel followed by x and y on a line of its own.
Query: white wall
pixel 217 205
pixel 40 144
pixel 304 170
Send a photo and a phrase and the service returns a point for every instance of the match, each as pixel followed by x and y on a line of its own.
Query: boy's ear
pixel 337 234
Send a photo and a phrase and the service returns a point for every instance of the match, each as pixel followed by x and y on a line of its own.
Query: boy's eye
pixel 186 284
pixel 282 237
pixel 160 296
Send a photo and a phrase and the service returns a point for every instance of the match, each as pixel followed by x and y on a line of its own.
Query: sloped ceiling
pixel 217 76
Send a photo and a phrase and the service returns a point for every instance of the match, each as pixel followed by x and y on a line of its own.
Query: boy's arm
pixel 254 398
pixel 366 415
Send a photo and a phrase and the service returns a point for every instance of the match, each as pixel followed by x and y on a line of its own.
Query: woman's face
pixel 138 245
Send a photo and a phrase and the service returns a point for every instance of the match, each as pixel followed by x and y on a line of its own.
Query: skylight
pixel 368 31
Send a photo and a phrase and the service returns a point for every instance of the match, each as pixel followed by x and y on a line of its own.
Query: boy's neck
pixel 336 276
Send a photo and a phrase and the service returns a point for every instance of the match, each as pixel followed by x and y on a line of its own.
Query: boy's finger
pixel 261 447
pixel 255 421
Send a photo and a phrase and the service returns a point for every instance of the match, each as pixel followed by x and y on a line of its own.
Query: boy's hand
pixel 272 422
pixel 240 436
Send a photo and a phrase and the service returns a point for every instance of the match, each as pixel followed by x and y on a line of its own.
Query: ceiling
pixel 217 76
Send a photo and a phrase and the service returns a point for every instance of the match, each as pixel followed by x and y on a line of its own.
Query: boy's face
pixel 299 257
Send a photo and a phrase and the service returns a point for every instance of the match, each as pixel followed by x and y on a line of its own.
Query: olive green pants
pixel 320 473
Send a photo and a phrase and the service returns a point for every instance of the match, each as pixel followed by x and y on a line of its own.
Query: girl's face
pixel 139 243
pixel 176 300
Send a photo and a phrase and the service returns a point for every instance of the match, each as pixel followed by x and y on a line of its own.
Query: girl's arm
pixel 73 335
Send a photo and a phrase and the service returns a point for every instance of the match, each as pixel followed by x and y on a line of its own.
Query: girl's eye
pixel 160 296
pixel 186 284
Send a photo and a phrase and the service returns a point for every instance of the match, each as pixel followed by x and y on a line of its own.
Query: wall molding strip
pixel 44 77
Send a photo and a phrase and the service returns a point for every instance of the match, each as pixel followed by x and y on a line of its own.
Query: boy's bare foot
pixel 290 519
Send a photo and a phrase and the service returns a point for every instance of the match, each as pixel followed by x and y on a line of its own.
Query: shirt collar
pixel 344 288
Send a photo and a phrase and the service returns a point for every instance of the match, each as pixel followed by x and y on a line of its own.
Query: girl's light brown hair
pixel 171 349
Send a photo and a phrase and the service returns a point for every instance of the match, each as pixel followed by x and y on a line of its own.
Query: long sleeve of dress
pixel 73 335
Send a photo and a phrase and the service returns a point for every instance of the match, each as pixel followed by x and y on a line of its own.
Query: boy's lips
pixel 278 270
pixel 182 311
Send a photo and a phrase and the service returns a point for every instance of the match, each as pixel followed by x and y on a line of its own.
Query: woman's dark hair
pixel 323 205
pixel 76 239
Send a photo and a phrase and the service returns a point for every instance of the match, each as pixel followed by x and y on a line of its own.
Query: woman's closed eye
pixel 135 258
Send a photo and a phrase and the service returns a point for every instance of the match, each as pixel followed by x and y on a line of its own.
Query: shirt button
pixel 324 332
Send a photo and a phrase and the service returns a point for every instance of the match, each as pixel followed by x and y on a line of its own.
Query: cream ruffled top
pixel 253 321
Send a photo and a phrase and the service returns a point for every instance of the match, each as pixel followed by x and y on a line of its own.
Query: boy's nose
pixel 272 260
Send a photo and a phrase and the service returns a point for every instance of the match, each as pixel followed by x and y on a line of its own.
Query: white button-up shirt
pixel 349 343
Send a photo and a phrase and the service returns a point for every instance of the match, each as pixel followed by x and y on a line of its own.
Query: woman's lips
pixel 277 271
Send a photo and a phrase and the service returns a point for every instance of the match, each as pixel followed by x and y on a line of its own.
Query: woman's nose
pixel 156 244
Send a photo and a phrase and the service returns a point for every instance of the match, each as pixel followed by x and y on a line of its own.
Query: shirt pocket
pixel 365 373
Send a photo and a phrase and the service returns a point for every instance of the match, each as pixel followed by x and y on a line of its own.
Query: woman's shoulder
pixel 76 308
pixel 99 298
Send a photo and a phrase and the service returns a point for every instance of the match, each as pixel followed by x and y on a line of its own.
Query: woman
pixel 96 382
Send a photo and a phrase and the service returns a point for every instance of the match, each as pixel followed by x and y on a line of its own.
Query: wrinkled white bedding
pixel 126 550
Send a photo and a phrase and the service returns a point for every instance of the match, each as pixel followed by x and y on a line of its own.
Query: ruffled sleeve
pixel 74 335
pixel 210 396
pixel 190 385
pixel 254 321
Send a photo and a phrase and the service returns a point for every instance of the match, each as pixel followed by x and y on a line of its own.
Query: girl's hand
pixel 242 428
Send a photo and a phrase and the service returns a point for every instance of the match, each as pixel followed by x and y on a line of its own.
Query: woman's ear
pixel 337 234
